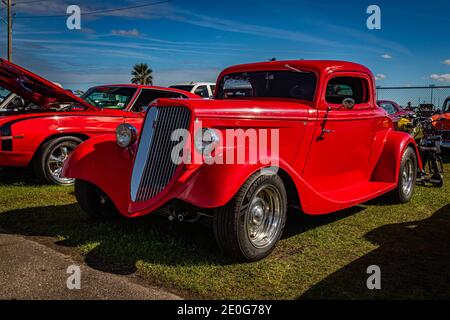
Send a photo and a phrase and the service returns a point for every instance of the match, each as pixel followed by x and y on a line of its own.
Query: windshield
pixel 110 97
pixel 4 93
pixel 268 84
pixel 183 87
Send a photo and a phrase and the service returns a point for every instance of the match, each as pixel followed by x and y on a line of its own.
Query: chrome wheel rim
pixel 263 218
pixel 56 161
pixel 408 177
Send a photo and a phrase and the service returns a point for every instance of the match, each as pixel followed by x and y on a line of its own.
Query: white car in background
pixel 203 89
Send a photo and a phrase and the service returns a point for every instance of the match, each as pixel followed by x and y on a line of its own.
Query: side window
pixel 388 107
pixel 202 91
pixel 341 88
pixel 148 96
pixel 213 89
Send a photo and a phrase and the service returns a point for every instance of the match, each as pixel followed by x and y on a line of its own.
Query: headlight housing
pixel 126 135
pixel 205 140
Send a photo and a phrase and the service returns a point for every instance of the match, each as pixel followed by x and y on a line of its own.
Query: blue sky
pixel 194 40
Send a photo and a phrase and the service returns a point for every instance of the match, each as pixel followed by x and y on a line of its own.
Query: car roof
pixel 193 84
pixel 140 86
pixel 320 66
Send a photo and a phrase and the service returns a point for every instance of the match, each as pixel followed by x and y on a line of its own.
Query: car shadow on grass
pixel 298 222
pixel 414 259
pixel 118 246
pixel 18 176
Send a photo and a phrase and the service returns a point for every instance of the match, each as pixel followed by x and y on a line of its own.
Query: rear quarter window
pixel 341 88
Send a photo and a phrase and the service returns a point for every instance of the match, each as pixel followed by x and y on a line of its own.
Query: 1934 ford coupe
pixel 41 123
pixel 331 148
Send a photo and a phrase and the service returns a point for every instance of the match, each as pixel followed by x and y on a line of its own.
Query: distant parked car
pixel 444 124
pixel 41 123
pixel 394 111
pixel 202 89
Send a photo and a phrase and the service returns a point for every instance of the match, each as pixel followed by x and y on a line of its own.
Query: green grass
pixel 319 257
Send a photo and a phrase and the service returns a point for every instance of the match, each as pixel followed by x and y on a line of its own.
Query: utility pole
pixel 9 30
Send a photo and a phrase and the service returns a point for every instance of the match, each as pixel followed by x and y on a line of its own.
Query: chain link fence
pixel 419 98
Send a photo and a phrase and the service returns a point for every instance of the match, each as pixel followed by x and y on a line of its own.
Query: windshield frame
pixel 219 84
pixel 125 107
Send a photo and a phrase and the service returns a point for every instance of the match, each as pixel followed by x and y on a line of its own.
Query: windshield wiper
pixel 293 68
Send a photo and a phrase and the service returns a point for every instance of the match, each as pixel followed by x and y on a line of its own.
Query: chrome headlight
pixel 205 138
pixel 126 135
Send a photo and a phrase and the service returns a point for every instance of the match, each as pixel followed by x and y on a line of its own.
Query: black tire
pixel 231 222
pixel 41 160
pixel 94 202
pixel 406 182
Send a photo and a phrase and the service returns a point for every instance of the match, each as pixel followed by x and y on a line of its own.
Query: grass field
pixel 318 257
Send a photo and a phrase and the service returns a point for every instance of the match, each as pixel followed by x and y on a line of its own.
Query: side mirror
pixel 348 103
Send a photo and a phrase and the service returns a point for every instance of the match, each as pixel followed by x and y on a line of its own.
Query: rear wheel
pixel 250 225
pixel 407 177
pixel 50 158
pixel 94 201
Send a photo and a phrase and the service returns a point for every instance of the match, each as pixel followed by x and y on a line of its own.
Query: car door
pixel 341 147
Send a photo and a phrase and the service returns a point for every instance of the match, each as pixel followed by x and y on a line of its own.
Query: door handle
pixel 327 131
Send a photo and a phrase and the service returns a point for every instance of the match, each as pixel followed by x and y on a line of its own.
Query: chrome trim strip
pixel 143 151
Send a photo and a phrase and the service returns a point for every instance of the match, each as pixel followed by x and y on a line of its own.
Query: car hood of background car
pixel 444 124
pixel 33 87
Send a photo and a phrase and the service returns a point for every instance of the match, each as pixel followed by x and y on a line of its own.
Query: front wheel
pixel 50 158
pixel 250 225
pixel 94 201
pixel 407 177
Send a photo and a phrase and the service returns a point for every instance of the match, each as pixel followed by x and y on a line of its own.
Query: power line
pixel 100 11
pixel 27 2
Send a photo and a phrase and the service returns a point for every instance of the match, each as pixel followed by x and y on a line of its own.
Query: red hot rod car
pixel 336 149
pixel 41 123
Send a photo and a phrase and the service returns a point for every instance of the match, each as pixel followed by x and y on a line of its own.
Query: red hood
pixel 444 124
pixel 245 109
pixel 33 87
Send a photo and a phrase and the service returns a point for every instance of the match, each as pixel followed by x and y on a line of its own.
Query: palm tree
pixel 142 74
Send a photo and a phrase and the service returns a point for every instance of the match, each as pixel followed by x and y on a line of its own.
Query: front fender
pixel 103 163
pixel 214 185
pixel 388 165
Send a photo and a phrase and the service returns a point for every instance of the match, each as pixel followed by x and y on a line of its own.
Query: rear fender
pixel 388 165
pixel 103 163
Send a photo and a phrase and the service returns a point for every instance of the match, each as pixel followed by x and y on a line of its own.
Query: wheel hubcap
pixel 56 162
pixel 408 177
pixel 263 217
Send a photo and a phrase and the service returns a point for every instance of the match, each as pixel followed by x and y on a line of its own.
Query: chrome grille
pixel 153 167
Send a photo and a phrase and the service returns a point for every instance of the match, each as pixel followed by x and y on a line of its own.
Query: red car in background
pixel 394 111
pixel 41 123
pixel 444 124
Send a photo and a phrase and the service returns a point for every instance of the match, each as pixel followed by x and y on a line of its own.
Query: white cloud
pixel 386 56
pixel 447 62
pixel 380 76
pixel 246 28
pixel 441 77
pixel 130 33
